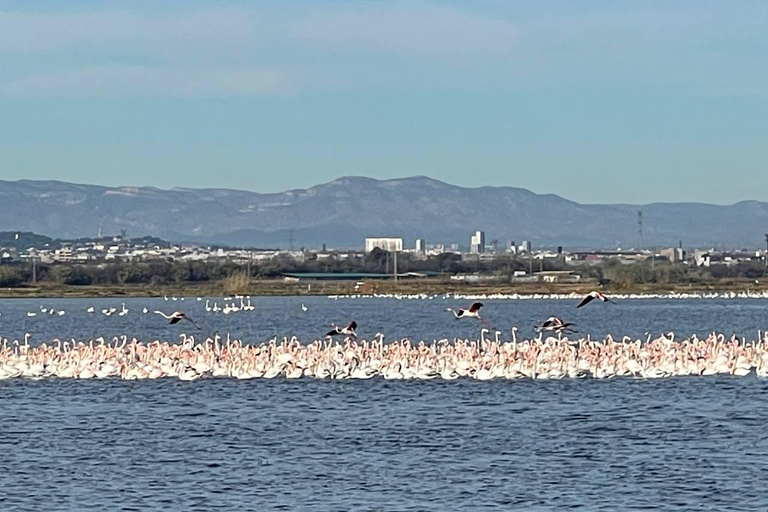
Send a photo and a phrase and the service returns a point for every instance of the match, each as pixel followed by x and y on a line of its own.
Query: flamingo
pixel 346 331
pixel 592 296
pixel 555 324
pixel 176 317
pixel 472 312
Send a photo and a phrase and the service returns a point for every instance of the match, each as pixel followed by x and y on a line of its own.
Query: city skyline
pixel 597 102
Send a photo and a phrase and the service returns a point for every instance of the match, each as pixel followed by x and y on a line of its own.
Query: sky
pixel 597 101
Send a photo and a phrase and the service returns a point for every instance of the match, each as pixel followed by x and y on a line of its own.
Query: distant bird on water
pixel 176 317
pixel 472 312
pixel 346 331
pixel 592 296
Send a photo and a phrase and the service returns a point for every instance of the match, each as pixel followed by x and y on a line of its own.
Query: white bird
pixel 90 309
pixel 303 308
pixel 176 317
pixel 31 313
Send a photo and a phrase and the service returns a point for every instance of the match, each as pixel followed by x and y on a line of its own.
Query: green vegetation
pixel 222 277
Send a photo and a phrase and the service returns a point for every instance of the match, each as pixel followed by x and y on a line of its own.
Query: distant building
pixel 477 242
pixel 436 248
pixel 421 245
pixel 525 246
pixel 673 254
pixel 385 244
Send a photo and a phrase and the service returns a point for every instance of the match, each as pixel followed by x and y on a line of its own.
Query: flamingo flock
pixel 484 359
pixel 234 304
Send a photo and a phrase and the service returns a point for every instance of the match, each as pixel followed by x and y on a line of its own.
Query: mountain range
pixel 343 212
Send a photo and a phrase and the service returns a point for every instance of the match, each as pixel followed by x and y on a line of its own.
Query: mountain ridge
pixel 340 213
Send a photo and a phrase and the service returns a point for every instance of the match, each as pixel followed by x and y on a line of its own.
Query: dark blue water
pixel 416 319
pixel 684 444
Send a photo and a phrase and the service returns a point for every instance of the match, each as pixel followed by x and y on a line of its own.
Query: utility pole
pixel 395 269
pixel 765 272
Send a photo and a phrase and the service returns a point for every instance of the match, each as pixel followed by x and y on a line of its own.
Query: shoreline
pixel 347 289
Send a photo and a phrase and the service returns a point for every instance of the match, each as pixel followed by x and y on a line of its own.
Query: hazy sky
pixel 597 101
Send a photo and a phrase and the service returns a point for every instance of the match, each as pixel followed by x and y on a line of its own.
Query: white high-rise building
pixel 525 246
pixel 421 245
pixel 477 242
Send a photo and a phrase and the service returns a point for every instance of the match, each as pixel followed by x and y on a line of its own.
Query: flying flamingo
pixel 346 331
pixel 592 296
pixel 555 324
pixel 176 317
pixel 472 312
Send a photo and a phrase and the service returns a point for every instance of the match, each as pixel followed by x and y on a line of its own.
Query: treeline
pixel 174 272
pixel 620 275
pixel 155 273
pixel 170 272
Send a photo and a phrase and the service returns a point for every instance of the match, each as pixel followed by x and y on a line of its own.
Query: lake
pixel 677 444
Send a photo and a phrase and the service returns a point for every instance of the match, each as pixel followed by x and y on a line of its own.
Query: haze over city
pixel 599 102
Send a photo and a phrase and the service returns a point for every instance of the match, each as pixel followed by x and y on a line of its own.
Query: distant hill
pixel 22 240
pixel 341 213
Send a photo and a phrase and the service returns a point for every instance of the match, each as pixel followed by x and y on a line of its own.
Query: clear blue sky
pixel 598 101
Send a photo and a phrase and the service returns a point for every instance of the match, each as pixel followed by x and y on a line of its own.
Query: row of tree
pixel 167 272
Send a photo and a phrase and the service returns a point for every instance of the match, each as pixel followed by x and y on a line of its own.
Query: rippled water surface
pixel 675 444
pixel 694 443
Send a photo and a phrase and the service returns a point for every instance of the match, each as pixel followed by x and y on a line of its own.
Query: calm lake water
pixel 416 319
pixel 695 443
